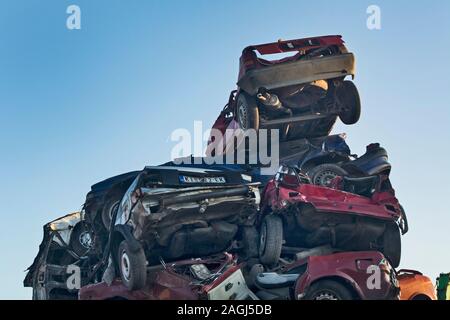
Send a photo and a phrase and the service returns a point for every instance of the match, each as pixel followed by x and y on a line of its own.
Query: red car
pixel 363 215
pixel 302 94
pixel 340 276
pixel 212 278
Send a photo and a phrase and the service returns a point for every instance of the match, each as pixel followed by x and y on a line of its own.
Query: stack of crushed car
pixel 218 231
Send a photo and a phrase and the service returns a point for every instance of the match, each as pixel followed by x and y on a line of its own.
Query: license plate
pixel 188 179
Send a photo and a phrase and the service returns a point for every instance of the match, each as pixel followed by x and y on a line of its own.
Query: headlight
pixel 246 177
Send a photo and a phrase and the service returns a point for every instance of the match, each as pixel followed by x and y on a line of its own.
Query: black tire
pixel 111 205
pixel 392 244
pixel 247 112
pixel 255 270
pixel 250 242
pixel 405 225
pixel 271 240
pixel 132 266
pixel 324 173
pixel 81 239
pixel 348 97
pixel 329 290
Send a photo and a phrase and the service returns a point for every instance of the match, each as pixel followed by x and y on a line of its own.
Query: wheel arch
pixel 341 279
pixel 420 296
pixel 317 160
pixel 124 232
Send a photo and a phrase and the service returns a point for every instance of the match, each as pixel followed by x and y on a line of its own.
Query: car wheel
pixel 328 290
pixel 404 223
pixel 323 174
pixel 110 207
pixel 348 98
pixel 81 239
pixel 247 112
pixel 392 244
pixel 255 270
pixel 271 240
pixel 132 266
pixel 250 242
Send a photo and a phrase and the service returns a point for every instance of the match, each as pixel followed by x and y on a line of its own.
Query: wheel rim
pixel 85 239
pixel 242 115
pixel 326 296
pixel 125 265
pixel 325 177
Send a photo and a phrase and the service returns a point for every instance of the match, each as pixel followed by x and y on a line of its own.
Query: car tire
pixel 111 205
pixel 348 97
pixel 255 270
pixel 271 240
pixel 81 240
pixel 405 225
pixel 132 266
pixel 247 112
pixel 392 244
pixel 328 290
pixel 323 174
pixel 250 242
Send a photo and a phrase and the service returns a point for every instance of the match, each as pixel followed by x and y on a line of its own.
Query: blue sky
pixel 78 106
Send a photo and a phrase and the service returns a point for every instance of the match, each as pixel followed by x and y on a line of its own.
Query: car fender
pixel 306 280
pixel 126 232
pixel 322 157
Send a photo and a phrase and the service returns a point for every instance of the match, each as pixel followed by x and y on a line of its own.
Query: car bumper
pixel 298 72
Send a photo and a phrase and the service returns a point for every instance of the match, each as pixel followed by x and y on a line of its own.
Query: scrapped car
pixel 210 278
pixel 301 95
pixel 174 212
pixel 363 215
pixel 67 242
pixel 326 158
pixel 249 172
pixel 443 286
pixel 336 276
pixel 415 286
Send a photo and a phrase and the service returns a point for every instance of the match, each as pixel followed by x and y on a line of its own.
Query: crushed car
pixel 363 214
pixel 216 277
pixel 326 158
pixel 415 286
pixel 174 212
pixel 329 276
pixel 301 95
pixel 67 241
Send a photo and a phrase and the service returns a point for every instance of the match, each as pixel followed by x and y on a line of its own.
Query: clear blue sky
pixel 80 106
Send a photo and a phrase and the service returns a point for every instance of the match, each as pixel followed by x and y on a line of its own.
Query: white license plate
pixel 188 179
